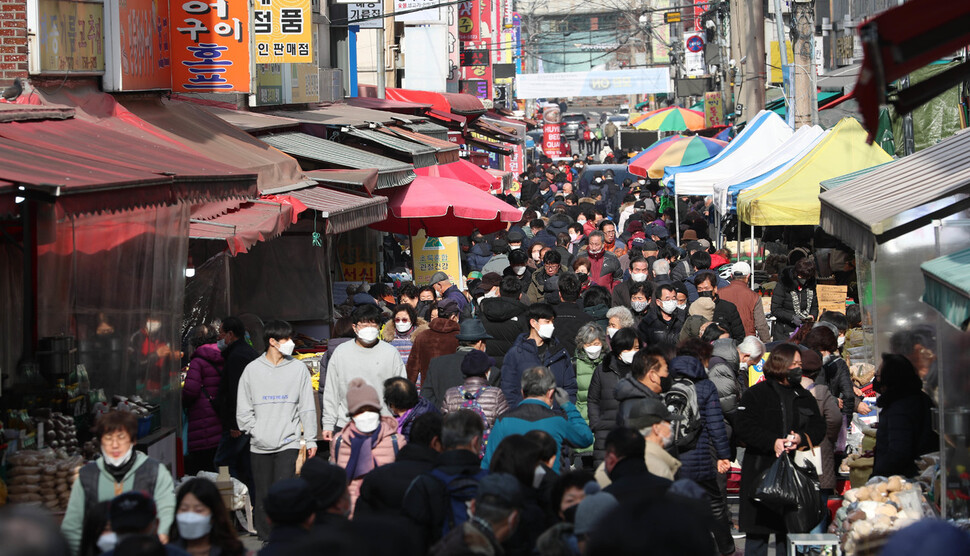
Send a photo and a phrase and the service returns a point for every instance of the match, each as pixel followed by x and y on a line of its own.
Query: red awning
pixel 906 38
pixel 457 103
pixel 247 224
pixel 464 171
pixel 455 120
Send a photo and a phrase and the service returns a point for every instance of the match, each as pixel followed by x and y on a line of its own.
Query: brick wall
pixel 13 40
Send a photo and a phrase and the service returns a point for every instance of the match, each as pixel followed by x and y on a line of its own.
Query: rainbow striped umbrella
pixel 674 118
pixel 674 151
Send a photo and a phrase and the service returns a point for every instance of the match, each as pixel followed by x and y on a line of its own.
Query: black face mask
pixel 706 294
pixel 794 376
pixel 665 383
pixel 570 513
pixel 582 277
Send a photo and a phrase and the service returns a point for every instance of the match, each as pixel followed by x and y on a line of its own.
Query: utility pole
pixel 381 72
pixel 805 103
pixel 748 34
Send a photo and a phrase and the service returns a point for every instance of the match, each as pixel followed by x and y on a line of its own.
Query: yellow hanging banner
pixel 432 254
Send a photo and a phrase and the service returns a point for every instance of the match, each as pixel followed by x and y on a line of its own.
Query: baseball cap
pixel 502 486
pixel 741 268
pixel 131 512
pixel 500 246
pixel 516 236
pixel 447 307
pixel 649 411
pixel 438 277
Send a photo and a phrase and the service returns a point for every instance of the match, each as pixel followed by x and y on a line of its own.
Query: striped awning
pixel 343 210
pixel 445 151
pixel 390 172
pixel 429 129
pixel 421 155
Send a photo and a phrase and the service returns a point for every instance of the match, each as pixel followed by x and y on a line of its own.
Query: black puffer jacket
pixel 838 378
pixel 601 403
pixel 654 330
pixel 627 391
pixel 783 307
pixel 723 372
pixel 503 321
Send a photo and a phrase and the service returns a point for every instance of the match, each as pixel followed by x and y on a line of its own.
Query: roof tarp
pixel 456 103
pixel 947 286
pixel 390 172
pixel 791 199
pixel 341 115
pixel 365 180
pixel 251 121
pixel 909 194
pixel 763 134
pixel 243 226
pixel 446 151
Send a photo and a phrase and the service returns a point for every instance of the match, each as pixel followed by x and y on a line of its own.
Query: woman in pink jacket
pixel 368 441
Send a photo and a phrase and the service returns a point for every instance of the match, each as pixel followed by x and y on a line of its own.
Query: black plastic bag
pixel 809 507
pixel 776 486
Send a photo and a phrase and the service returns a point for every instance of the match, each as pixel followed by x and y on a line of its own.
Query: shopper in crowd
pixel 237 353
pixel 521 457
pixel 328 488
pixel 537 347
pixel 596 304
pixel 445 289
pixel 724 371
pixel 617 318
pixel 199 394
pixel 725 313
pixel 639 273
pixel 749 305
pixel 570 317
pixel 438 339
pixel 603 405
pixel 369 440
pixel 663 322
pixel 835 372
pixel 592 347
pixel 202 522
pixel 366 357
pixel 905 429
pixel 475 393
pixel 775 416
pixel 501 318
pixel 551 266
pixel 402 399
pixel 119 469
pixel 651 417
pixel 640 294
pixel 401 331
pixel 275 407
pixel 495 517
pixel 794 301
pixel 290 507
pixel 829 409
pixel 444 371
pixel 649 378
pixel 631 482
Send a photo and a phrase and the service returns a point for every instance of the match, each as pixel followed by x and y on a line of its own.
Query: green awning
pixel 832 183
pixel 778 105
pixel 947 287
pixel 390 172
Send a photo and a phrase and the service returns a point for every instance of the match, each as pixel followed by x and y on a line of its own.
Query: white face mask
pixel 611 331
pixel 367 334
pixel 286 348
pixel 402 327
pixel 627 356
pixel 546 330
pixel 639 306
pixel 514 246
pixel 535 256
pixel 107 541
pixel 669 306
pixel 153 326
pixel 519 270
pixel 117 462
pixel 638 277
pixel 593 351
pixel 581 221
pixel 192 525
pixel 841 341
pixel 682 306
pixel 367 421
pixel 573 236
pixel 490 294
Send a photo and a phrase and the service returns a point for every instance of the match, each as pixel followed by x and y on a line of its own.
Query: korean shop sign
pixel 210 46
pixel 71 36
pixel 283 31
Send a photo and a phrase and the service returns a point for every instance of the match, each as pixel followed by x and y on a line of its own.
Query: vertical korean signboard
pixel 71 36
pixel 713 110
pixel 551 131
pixel 283 31
pixel 137 38
pixel 210 46
pixel 433 254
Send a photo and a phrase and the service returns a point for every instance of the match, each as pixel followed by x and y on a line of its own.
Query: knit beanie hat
pixel 593 508
pixel 703 306
pixel 359 395
pixel 327 481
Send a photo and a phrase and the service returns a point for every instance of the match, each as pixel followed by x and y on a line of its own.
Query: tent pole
pixel 751 250
pixel 676 218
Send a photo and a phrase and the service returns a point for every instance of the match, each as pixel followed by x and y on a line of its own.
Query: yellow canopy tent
pixel 791 199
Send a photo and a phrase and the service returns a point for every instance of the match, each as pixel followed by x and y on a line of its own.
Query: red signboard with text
pixel 210 46
pixel 551 131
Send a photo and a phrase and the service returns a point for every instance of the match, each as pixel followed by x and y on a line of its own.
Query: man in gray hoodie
pixel 275 399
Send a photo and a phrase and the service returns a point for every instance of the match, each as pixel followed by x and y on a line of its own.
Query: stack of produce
pixel 869 514
pixel 42 478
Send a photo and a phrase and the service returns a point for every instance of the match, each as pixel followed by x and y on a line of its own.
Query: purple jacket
pixel 205 369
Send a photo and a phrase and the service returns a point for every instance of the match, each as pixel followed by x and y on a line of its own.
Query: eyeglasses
pixel 551 265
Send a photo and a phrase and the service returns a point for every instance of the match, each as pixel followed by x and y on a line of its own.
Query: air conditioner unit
pixel 331 84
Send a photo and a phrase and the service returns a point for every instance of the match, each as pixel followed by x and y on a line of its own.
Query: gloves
pixel 796 320
pixel 561 397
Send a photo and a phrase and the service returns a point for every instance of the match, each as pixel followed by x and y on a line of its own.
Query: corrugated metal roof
pixel 10 112
pixel 390 172
pixel 342 209
pixel 421 155
pixel 878 206
pixel 431 130
pixel 947 286
pixel 447 152
pixel 342 115
pixel 245 225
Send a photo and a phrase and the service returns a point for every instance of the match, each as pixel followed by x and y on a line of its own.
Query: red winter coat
pixel 438 339
pixel 205 369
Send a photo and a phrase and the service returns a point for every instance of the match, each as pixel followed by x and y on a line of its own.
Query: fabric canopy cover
pixel 673 151
pixel 763 134
pixel 464 171
pixel 251 222
pixel 774 163
pixel 947 287
pixel 673 118
pixel 912 191
pixel 444 207
pixel 791 199
pixel 456 103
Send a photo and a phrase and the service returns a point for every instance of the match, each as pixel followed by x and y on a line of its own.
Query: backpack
pixel 459 490
pixel 681 400
pixel 470 401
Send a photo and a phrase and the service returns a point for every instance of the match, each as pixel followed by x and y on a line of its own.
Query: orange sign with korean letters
pixel 210 46
pixel 283 31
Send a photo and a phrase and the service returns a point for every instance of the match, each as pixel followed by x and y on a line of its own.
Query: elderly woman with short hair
pixel 592 346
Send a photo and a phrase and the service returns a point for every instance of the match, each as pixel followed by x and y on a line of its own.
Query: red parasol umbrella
pixel 465 171
pixel 444 207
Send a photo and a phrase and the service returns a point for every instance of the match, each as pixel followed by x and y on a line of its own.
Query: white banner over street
pixel 593 83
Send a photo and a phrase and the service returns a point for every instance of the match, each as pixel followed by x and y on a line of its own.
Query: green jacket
pixel 164 496
pixel 584 374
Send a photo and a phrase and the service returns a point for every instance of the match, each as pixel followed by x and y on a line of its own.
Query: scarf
pixel 361 460
pixel 118 472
